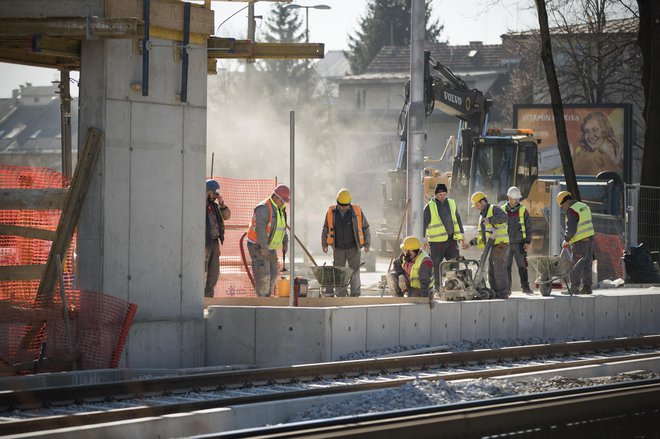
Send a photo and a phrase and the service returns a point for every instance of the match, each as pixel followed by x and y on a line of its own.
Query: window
pixel 35 134
pixel 361 99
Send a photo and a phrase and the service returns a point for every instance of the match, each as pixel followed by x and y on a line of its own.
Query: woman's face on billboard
pixel 592 134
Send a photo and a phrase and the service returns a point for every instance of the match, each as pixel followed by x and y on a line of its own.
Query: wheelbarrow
pixel 551 269
pixel 332 278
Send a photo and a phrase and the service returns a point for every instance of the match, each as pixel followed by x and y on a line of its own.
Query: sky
pixel 475 20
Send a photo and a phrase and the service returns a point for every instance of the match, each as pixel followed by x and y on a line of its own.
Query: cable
pixel 227 19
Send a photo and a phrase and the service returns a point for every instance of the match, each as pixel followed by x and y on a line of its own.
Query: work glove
pixel 403 284
pixel 325 249
pixel 565 244
pixel 474 241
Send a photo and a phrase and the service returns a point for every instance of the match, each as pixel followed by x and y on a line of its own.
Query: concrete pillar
pixel 141 233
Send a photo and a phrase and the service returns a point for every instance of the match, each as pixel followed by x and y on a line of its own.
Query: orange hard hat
pixel 283 192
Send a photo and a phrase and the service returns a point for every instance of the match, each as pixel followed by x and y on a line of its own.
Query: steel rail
pixel 142 411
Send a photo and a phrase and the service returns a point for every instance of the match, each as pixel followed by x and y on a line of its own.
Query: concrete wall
pixel 275 336
pixel 141 231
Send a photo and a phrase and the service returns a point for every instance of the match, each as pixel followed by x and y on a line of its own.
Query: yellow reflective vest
pixel 499 232
pixel 436 230
pixel 585 227
pixel 414 270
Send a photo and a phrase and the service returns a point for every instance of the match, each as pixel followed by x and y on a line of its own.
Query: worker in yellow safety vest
pixel 493 230
pixel 412 271
pixel 520 237
pixel 579 235
pixel 266 235
pixel 443 229
pixel 346 230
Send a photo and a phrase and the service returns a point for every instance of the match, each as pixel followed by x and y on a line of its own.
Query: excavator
pixel 484 160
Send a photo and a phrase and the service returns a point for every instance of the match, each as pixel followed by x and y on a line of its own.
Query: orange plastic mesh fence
pixel 609 252
pixel 241 196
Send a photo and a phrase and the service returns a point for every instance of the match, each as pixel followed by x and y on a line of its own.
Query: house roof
pixel 617 26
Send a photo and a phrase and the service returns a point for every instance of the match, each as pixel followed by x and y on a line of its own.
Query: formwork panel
pixel 292 336
pixel 582 324
pixel 531 318
pixel 556 318
pixel 125 68
pixel 503 319
pixel 116 194
pixel 445 323
pixel 348 331
pixel 230 335
pixel 415 324
pixel 650 314
pixel 197 76
pixel 193 346
pixel 383 326
pixel 629 315
pixel 606 316
pixel 475 321
pixel 164 74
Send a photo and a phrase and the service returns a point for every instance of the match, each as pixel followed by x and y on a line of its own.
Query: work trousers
pixel 340 257
pixel 442 251
pixel 395 290
pixel 211 266
pixel 517 253
pixel 265 270
pixel 498 278
pixel 583 255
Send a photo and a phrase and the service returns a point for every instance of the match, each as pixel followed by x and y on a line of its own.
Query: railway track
pixel 60 407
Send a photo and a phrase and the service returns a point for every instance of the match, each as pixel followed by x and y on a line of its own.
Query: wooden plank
pixel 32 199
pixel 72 27
pixel 58 46
pixel 21 272
pixel 27 232
pixel 166 14
pixel 71 211
pixel 29 58
pixel 230 48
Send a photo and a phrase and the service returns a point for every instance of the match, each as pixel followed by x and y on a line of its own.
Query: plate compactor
pixel 459 283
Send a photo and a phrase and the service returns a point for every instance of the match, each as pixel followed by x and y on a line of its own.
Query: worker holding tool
pixel 493 237
pixel 266 235
pixel 443 228
pixel 580 236
pixel 412 271
pixel 346 230
pixel 216 214
pixel 520 231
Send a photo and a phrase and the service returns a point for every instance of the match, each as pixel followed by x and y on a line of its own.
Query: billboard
pixel 598 135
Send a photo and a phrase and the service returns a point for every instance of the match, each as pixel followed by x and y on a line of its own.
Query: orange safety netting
pixel 608 252
pixel 241 196
pixel 32 327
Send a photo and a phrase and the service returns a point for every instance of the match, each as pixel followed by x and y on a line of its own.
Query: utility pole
pixel 65 123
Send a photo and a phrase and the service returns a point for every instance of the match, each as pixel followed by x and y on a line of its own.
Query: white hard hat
pixel 514 193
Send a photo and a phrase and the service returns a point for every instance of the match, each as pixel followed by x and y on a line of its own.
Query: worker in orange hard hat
pixel 267 234
pixel 580 236
pixel 346 230
pixel 493 232
pixel 412 271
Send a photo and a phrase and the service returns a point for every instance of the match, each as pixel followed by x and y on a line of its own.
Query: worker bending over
pixel 580 236
pixel 266 235
pixel 412 271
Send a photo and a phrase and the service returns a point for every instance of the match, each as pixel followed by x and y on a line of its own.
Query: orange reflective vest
pixel 330 219
pixel 252 231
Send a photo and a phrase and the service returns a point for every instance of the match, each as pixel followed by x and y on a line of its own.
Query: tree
pixel 386 22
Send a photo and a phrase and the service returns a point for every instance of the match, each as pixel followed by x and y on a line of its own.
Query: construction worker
pixel 216 214
pixel 520 228
pixel 346 230
pixel 493 231
pixel 266 235
pixel 443 228
pixel 579 235
pixel 412 271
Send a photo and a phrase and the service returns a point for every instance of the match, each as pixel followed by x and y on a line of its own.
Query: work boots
pixel 586 290
pixel 524 281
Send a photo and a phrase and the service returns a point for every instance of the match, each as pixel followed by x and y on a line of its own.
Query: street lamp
pixel 307 8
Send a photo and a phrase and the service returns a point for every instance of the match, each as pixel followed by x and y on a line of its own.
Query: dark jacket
pixel 213 212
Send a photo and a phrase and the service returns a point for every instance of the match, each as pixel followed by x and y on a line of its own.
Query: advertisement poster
pixel 598 135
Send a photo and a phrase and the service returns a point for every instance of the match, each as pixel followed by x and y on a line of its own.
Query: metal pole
pixel 307 24
pixel 555 219
pixel 251 22
pixel 65 119
pixel 293 301
pixel 416 120
pixel 632 212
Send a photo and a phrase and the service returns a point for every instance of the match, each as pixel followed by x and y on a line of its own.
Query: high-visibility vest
pixel 414 270
pixel 275 240
pixel 499 232
pixel 521 219
pixel 585 227
pixel 436 230
pixel 330 219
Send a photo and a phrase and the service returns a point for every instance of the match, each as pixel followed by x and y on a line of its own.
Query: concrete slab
pixel 649 314
pixel 503 324
pixel 475 320
pixel 445 323
pixel 230 335
pixel 118 81
pixel 629 315
pixel 415 324
pixel 582 323
pixel 556 318
pixel 348 331
pixel 531 318
pixel 606 316
pixel 383 326
pixel 160 342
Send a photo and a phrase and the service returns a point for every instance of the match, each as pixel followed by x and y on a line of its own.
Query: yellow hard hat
pixel 561 197
pixel 411 243
pixel 476 197
pixel 343 196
